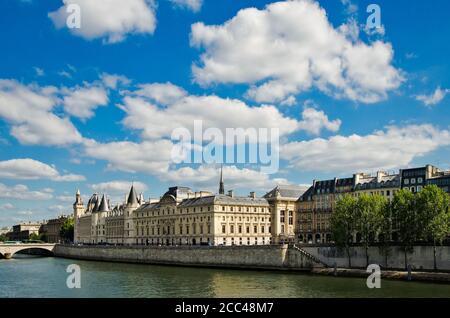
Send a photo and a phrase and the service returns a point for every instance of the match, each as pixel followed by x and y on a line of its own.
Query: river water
pixel 26 276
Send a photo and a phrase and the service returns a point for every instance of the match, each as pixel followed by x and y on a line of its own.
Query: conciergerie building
pixel 286 214
pixel 184 217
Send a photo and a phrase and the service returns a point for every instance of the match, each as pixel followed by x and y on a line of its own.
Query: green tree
pixel 67 230
pixel 404 212
pixel 385 235
pixel 34 237
pixel 3 238
pixel 342 223
pixel 433 215
pixel 369 219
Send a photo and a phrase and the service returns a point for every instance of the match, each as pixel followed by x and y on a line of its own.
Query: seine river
pixel 46 277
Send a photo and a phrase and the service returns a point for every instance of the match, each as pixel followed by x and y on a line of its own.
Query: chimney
pixel 380 174
pixel 231 193
pixel 253 195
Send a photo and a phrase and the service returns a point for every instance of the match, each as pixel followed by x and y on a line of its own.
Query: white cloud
pixel 82 101
pixel 181 110
pixel 58 208
pixel 118 187
pixel 291 47
pixel 290 101
pixel 29 110
pixel 350 7
pixel 149 156
pixel 207 178
pixel 111 20
pixel 29 169
pixel 113 80
pixel 39 71
pixel 6 206
pixel 65 74
pixel 392 148
pixel 315 120
pixel 435 98
pixel 193 5
pixel 162 93
pixel 21 192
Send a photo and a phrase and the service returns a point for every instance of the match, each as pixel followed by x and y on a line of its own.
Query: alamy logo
pixel 74 279
pixel 374 19
pixel 237 146
pixel 73 20
pixel 374 279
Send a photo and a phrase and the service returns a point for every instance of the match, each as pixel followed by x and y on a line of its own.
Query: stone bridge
pixel 8 250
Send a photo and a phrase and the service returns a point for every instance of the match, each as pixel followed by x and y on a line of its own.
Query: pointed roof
pixel 104 205
pixel 132 197
pixel 97 203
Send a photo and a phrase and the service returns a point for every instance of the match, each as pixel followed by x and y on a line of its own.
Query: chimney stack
pixel 231 193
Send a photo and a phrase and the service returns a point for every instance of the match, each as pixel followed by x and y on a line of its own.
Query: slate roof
pixel 104 205
pixel 132 197
pixel 286 191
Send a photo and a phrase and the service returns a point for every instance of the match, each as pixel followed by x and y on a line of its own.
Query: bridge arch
pixel 8 251
pixel 34 251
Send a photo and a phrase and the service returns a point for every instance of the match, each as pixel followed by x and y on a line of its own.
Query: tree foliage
pixel 420 217
pixel 67 230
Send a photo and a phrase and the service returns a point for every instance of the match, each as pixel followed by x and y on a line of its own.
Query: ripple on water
pixel 46 277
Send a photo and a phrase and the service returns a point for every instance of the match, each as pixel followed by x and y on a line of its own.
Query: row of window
pixel 247 229
pixel 206 209
pixel 412 181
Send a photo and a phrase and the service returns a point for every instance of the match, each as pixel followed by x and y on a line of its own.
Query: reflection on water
pixel 26 276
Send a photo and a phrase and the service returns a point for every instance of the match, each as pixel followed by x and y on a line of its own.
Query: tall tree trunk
pixel 349 258
pixel 434 255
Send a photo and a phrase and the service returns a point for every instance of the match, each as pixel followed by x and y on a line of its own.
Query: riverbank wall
pixel 420 259
pixel 273 257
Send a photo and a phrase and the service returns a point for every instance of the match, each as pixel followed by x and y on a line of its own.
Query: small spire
pixel 221 184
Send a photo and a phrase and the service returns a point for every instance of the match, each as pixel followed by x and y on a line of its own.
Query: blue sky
pixel 93 108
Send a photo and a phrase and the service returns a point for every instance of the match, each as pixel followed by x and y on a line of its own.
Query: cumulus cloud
pixel 29 110
pixel 435 98
pixel 6 206
pixel 21 192
pixel 158 109
pixel 391 148
pixel 29 169
pixel 148 156
pixel 163 93
pixel 315 120
pixel 111 20
pixel 118 187
pixel 291 47
pixel 193 5
pixel 207 178
pixel 113 80
pixel 82 101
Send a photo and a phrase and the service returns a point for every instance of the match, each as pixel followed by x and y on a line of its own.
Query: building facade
pixel 286 214
pixel 52 229
pixel 23 231
pixel 184 217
